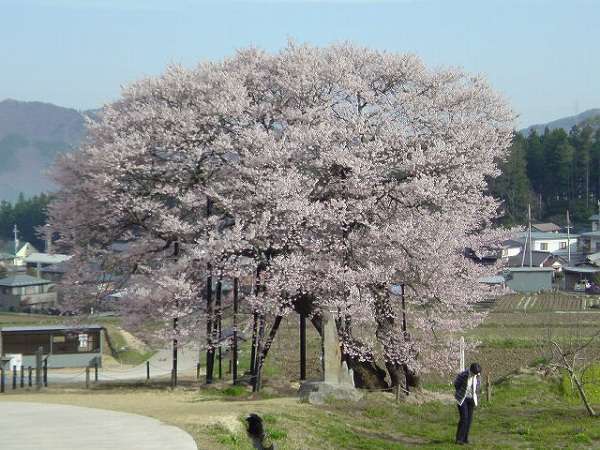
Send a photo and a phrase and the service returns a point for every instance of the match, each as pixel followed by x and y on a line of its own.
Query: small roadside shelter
pixel 64 345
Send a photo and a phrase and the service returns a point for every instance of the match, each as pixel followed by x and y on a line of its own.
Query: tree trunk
pixel 386 329
pixel 367 374
pixel 265 352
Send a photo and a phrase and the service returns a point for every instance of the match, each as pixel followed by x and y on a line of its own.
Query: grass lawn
pixel 526 412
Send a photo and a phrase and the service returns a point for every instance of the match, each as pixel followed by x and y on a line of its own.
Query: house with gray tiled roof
pixel 19 291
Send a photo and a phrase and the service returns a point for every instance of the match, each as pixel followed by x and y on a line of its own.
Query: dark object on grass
pixel 256 431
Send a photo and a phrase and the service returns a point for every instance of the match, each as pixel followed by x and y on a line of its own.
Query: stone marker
pixel 338 382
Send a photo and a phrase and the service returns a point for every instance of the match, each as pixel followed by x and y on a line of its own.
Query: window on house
pixel 544 246
pixel 563 245
pixel 598 246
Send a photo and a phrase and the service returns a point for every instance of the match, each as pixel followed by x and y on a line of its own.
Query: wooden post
pixel 14 377
pixel 219 330
pixel 198 371
pixel 45 371
pixel 174 369
pixel 234 350
pixel 147 370
pixel 30 376
pixel 302 347
pixel 87 377
pixel 175 320
pixel 95 371
pixel 1 379
pixel 406 338
pixel 488 388
pixel 210 351
pixel 22 376
pixel 397 393
pixel 38 368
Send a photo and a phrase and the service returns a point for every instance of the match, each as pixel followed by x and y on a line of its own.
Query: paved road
pixel 37 426
pixel 160 366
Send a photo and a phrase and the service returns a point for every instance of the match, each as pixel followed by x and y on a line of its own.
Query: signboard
pixel 16 359
pixel 83 341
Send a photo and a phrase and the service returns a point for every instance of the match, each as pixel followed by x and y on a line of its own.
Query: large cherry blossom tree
pixel 339 173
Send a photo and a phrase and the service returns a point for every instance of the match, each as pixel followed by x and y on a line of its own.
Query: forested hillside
pixel 554 171
pixel 27 214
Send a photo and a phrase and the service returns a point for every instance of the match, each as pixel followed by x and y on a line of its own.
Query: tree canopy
pixel 331 173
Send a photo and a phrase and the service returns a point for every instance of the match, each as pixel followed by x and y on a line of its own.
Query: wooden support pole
pixel 2 382
pixel 87 377
pixel 95 371
pixel 302 347
pixel 22 375
pixel 38 368
pixel 210 351
pixel 234 349
pixel 406 337
pixel 147 370
pixel 45 372
pixel 488 388
pixel 174 367
pixel 30 376
pixel 219 330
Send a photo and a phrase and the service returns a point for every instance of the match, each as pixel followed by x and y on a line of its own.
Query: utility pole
pixel 530 241
pixel 16 233
pixel 568 238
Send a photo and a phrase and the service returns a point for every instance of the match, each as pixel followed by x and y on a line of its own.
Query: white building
pixel 556 243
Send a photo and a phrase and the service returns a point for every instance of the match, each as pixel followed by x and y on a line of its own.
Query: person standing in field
pixel 467 388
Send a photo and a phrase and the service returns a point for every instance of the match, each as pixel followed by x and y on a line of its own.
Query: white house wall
pixel 553 245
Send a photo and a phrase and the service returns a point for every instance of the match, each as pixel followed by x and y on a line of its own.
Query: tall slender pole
pixel 568 238
pixel 530 241
pixel 175 320
pixel 235 331
pixel 302 347
pixel 174 368
pixel 405 334
pixel 219 330
pixel 210 351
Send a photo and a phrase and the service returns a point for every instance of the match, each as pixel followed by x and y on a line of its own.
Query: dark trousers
pixel 466 417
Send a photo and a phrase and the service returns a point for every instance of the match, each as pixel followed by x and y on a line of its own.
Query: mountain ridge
pixel 33 134
pixel 565 123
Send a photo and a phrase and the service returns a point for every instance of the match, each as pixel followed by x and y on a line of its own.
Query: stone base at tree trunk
pixel 317 392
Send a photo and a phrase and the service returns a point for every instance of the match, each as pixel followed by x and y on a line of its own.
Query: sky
pixel 542 55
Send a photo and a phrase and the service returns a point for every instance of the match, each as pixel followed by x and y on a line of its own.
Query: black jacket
pixel 460 386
